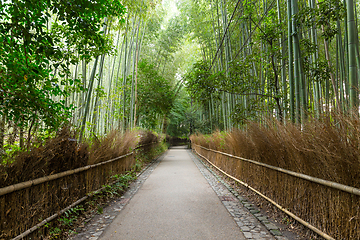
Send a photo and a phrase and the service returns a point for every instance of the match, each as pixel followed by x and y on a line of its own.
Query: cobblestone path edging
pixel 252 223
pixel 97 224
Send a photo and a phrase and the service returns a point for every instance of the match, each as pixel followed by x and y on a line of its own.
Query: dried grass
pixel 112 146
pixel 22 209
pixel 63 152
pixel 327 148
pixel 56 155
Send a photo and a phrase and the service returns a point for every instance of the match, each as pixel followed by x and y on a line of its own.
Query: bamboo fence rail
pixel 331 184
pixel 306 224
pixel 26 206
pixel 330 209
pixel 19 186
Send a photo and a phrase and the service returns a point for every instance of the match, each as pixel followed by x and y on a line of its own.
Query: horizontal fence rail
pixel 52 217
pixel 27 184
pixel 328 208
pixel 331 184
pixel 306 224
pixel 26 207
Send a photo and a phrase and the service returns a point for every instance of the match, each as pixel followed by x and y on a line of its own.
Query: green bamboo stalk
pixel 282 63
pixel 314 58
pixel 136 76
pixel 88 98
pixel 2 134
pixel 353 78
pixel 341 65
pixel 299 112
pixel 332 78
pixel 290 64
pixel 96 104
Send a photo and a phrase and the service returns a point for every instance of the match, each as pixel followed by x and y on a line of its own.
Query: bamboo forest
pixel 217 64
pixel 83 82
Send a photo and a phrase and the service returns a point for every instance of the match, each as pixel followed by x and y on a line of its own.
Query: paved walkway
pixel 174 200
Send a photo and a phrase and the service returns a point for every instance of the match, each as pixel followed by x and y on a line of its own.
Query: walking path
pixel 177 201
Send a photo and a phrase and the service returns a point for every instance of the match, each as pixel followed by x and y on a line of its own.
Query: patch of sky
pixel 171 11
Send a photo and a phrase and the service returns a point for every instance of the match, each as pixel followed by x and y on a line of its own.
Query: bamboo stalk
pixel 327 183
pixel 306 224
pixel 298 73
pixel 353 78
pixel 282 63
pixel 290 64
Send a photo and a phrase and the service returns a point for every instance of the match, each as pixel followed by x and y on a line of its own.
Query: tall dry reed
pixel 112 145
pixel 22 209
pixel 56 155
pixel 326 148
pixel 63 153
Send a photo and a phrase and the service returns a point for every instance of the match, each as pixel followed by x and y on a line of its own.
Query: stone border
pixel 252 223
pixel 95 226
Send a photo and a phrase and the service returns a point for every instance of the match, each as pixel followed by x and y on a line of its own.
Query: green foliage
pixel 243 114
pixel 271 31
pixel 122 182
pixel 54 232
pixel 11 150
pixel 39 39
pixel 324 15
pixel 155 95
pixel 137 167
pixel 179 125
pixel 202 86
pixel 201 83
pixel 71 216
pixel 100 210
pixel 240 79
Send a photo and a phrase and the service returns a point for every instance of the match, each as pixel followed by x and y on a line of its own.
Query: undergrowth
pixel 69 222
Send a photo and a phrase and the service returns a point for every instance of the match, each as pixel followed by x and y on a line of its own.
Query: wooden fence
pixel 329 207
pixel 25 205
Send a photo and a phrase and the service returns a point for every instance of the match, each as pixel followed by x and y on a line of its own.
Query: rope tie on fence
pixel 327 183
